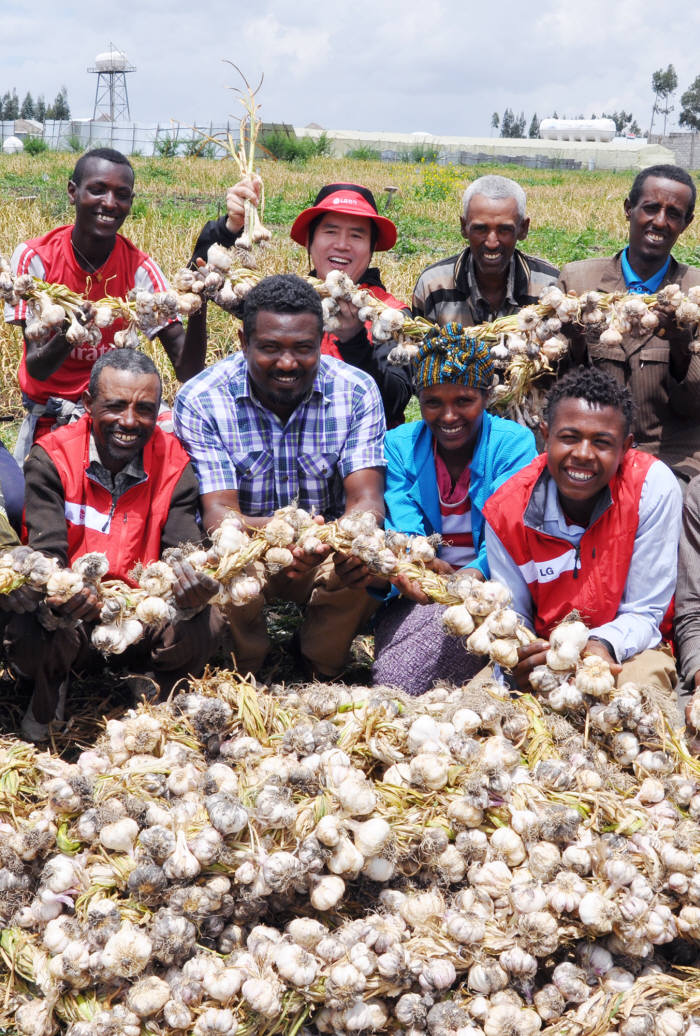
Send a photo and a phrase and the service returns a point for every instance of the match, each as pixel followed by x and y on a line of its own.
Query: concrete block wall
pixel 685 147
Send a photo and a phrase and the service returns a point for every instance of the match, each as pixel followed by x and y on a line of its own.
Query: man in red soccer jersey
pixel 90 257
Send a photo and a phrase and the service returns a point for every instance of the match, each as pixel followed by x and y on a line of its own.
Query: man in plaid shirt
pixel 278 424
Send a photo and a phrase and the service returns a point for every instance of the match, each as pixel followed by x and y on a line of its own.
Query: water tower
pixel 111 96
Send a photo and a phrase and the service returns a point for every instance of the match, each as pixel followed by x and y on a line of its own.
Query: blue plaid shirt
pixel 237 443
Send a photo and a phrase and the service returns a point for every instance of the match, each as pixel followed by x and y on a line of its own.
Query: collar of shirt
pixel 633 282
pixel 481 305
pixel 450 493
pixel 555 523
pixel 130 475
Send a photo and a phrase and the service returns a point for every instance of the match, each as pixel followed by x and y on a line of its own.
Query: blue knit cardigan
pixel 411 495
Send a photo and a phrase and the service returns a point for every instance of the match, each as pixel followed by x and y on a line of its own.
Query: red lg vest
pixel 560 577
pixel 129 531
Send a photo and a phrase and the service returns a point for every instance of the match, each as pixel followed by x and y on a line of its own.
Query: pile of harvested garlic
pixel 346 859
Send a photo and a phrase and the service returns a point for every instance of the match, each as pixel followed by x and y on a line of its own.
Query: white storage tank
pixel 577 129
pixel 12 145
pixel 111 61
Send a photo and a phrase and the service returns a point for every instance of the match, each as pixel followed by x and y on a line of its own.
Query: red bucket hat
pixel 351 199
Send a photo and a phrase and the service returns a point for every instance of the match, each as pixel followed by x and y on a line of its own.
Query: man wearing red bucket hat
pixel 340 231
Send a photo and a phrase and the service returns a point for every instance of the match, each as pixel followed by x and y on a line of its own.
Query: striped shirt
pixel 237 443
pixel 456 514
pixel 447 290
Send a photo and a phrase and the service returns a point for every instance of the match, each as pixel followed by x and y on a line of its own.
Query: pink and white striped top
pixel 456 513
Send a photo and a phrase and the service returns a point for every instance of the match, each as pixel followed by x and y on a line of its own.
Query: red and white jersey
pixel 51 258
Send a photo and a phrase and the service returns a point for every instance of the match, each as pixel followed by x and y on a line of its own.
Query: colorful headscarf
pixel 448 355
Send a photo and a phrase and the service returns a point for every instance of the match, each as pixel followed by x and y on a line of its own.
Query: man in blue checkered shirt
pixel 275 424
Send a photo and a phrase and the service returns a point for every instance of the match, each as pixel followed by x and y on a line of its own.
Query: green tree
pixel 690 106
pixel 40 108
pixel 495 121
pixel 519 126
pixel 59 110
pixel 507 123
pixel 534 130
pixel 27 109
pixel 625 122
pixel 664 83
pixel 11 105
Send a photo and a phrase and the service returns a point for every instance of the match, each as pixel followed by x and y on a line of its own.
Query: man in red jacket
pixel 111 482
pixel 591 525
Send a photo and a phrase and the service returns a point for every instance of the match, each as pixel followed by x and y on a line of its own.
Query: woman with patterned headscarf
pixel 440 472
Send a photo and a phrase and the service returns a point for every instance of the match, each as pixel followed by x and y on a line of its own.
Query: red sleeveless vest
pixel 129 531
pixel 561 577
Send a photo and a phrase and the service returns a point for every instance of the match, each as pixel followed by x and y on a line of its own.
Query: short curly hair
pixel 592 386
pixel 664 172
pixel 107 154
pixel 133 361
pixel 281 293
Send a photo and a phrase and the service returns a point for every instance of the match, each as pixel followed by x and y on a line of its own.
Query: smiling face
pixel 493 228
pixel 585 447
pixel 342 242
pixel 656 222
pixel 283 354
pixel 102 199
pixel 453 413
pixel 123 412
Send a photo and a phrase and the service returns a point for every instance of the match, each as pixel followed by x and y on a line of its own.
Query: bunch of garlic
pixel 386 323
pixel 218 280
pixel 484 621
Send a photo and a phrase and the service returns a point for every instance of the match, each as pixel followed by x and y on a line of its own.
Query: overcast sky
pixel 439 66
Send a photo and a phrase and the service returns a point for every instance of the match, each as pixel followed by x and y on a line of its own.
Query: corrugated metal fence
pixel 128 137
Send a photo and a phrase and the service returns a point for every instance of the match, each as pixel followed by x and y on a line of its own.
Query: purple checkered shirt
pixel 236 443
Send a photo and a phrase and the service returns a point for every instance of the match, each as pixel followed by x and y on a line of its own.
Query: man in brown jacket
pixel 661 369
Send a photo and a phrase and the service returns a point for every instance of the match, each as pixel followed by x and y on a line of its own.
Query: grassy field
pixel 574 215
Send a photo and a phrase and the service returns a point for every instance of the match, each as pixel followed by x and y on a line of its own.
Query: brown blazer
pixel 668 411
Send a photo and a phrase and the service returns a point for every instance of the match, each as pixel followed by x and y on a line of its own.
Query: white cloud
pixel 374 64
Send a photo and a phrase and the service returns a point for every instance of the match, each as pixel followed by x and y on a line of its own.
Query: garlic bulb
pixel 182 864
pixel 566 641
pixel 505 1018
pixel 327 892
pixel 457 621
pixel 148 996
pixel 486 978
pixel 127 953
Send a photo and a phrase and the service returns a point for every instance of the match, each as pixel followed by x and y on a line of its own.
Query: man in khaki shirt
pixel 662 368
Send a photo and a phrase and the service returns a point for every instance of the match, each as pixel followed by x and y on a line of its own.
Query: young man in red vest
pixel 591 525
pixel 111 482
